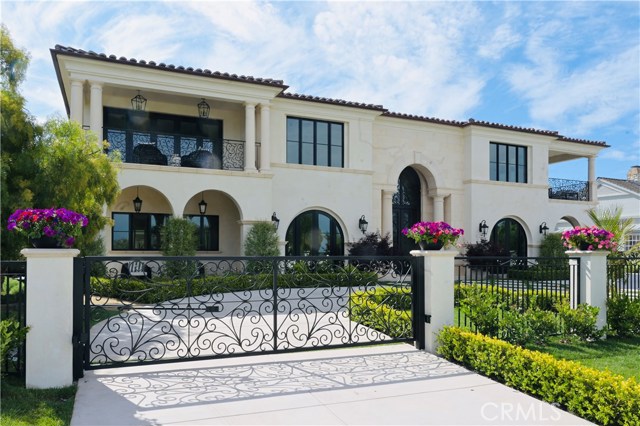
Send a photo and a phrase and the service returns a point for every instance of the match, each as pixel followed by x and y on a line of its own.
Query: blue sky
pixel 573 67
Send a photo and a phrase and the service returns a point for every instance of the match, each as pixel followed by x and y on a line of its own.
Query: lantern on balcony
pixel 138 102
pixel 203 109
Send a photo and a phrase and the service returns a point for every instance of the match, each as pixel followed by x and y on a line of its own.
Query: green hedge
pixel 387 309
pixel 539 273
pixel 543 299
pixel 159 290
pixel 597 396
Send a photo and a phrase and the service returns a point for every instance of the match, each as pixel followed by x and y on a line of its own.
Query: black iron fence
pixel 13 282
pixel 514 284
pixel 150 310
pixel 623 276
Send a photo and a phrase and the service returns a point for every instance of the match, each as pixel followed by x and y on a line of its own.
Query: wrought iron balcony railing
pixel 177 150
pixel 565 189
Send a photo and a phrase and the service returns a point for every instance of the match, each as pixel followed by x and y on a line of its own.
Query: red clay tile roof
pixel 70 51
pixel 330 101
pixel 279 83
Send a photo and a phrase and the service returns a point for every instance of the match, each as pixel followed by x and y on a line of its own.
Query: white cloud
pixel 503 39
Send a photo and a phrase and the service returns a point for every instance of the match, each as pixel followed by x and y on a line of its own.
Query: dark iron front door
pixel 171 309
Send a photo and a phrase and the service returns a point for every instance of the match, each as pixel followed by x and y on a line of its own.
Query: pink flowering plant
pixel 433 233
pixel 61 224
pixel 586 238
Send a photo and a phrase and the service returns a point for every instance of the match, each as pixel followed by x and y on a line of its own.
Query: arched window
pixel 314 233
pixel 509 235
pixel 406 210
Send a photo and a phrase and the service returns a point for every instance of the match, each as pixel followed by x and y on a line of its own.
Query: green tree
pixel 179 238
pixel 262 240
pixel 55 165
pixel 611 220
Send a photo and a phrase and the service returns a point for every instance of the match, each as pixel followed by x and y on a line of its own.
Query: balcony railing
pixel 177 150
pixel 565 189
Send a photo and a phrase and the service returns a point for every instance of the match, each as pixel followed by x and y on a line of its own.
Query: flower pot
pixel 584 246
pixel 45 242
pixel 424 245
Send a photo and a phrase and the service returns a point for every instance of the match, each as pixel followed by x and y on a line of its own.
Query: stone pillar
pixel 387 212
pixel 593 193
pixel 95 110
pixel 250 137
pixel 438 208
pixel 592 288
pixel 76 104
pixel 438 293
pixel 49 362
pixel 265 141
pixel 282 246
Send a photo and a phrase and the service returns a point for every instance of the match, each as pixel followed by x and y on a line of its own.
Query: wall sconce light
pixel 139 102
pixel 482 228
pixel 275 220
pixel 544 228
pixel 362 224
pixel 137 202
pixel 202 205
pixel 203 109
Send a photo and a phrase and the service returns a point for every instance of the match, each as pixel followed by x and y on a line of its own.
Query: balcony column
pixel 76 103
pixel 265 142
pixel 250 137
pixel 387 212
pixel 95 110
pixel 593 195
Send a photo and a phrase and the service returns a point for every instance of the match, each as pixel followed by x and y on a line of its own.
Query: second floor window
pixel 508 163
pixel 318 143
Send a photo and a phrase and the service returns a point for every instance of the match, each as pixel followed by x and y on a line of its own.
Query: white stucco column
pixel 95 110
pixel 250 136
pixel 593 193
pixel 76 104
pixel 438 292
pixel 592 280
pixel 387 212
pixel 438 208
pixel 49 360
pixel 265 141
pixel 282 246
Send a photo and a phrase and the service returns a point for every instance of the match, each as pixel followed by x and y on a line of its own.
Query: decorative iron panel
pixel 233 155
pixel 170 309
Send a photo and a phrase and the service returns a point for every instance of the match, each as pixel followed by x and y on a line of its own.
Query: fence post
pixel 50 315
pixel 592 284
pixel 438 293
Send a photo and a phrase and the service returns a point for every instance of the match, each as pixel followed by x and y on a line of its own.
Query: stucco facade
pixel 451 159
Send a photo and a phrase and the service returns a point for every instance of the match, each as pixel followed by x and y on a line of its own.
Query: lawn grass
pixel 618 355
pixel 35 407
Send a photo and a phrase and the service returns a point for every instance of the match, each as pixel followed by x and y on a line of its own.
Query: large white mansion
pixel 241 148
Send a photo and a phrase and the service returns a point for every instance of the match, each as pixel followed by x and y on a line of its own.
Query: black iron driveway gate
pixel 164 309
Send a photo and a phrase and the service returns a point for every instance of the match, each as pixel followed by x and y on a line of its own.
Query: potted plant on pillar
pixel 48 228
pixel 588 239
pixel 433 235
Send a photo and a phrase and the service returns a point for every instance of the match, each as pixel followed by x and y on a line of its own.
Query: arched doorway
pixel 406 210
pixel 315 233
pixel 509 235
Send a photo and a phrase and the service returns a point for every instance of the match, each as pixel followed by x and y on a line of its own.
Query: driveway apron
pixel 373 385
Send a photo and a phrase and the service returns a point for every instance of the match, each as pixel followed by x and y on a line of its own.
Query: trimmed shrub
pixel 598 396
pixel 579 322
pixel 372 244
pixel 387 310
pixel 623 315
pixel 483 309
pixel 12 335
pixel 179 238
pixel 262 240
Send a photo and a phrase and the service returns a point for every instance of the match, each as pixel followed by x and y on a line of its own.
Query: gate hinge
pixel 427 319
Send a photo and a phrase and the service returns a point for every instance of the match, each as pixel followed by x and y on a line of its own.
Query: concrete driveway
pixel 374 385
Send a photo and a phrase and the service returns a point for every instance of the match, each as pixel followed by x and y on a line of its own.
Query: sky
pixel 571 67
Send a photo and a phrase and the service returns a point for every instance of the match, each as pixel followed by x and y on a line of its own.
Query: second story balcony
pixel 566 189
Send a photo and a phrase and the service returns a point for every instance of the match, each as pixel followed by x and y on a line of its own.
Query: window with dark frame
pixel 136 231
pixel 508 163
pixel 208 231
pixel 315 142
